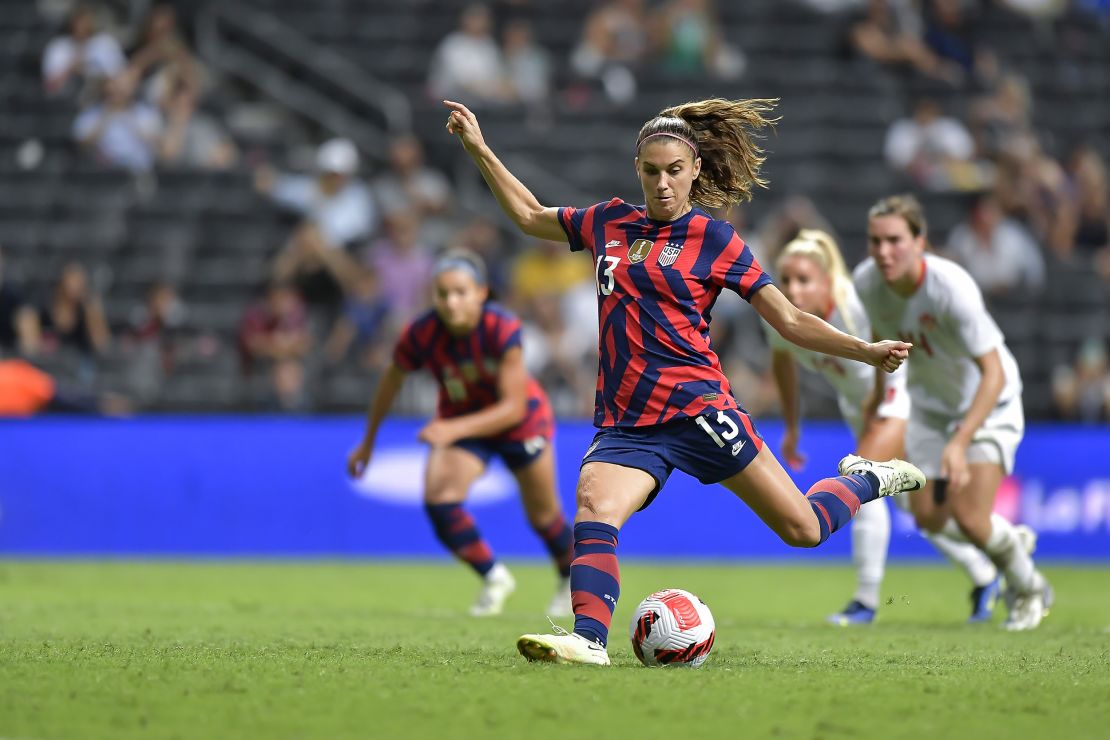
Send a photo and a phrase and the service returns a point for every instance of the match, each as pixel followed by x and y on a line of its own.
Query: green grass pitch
pixel 384 650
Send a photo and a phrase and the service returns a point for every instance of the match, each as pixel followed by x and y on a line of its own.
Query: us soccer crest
pixel 669 254
pixel 639 250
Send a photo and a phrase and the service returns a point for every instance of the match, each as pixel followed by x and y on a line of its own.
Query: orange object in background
pixel 24 389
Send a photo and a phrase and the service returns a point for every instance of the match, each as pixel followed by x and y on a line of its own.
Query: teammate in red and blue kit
pixel 488 405
pixel 663 401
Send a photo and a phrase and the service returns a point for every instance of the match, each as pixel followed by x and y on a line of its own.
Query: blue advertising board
pixel 276 486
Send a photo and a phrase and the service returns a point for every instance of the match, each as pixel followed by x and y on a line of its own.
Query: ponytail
pixel 724 134
pixel 820 247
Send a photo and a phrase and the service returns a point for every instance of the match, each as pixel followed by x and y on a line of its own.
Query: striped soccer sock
pixel 455 528
pixel 559 540
pixel 595 579
pixel 836 500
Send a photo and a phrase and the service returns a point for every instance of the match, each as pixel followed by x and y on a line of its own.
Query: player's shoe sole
pixel 570 648
pixel 894 476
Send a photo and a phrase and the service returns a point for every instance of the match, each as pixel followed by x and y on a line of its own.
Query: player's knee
pixel 443 494
pixel 800 533
pixel 930 521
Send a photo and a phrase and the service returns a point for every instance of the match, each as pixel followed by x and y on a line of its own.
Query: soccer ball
pixel 672 627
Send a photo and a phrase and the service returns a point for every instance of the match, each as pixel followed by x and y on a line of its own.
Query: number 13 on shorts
pixel 728 432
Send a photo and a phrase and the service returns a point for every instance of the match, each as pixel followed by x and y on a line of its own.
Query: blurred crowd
pixel 356 264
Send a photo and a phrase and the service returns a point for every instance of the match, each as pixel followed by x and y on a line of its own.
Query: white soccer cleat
pixel 561 605
pixel 497 586
pixel 895 476
pixel 1027 611
pixel 562 647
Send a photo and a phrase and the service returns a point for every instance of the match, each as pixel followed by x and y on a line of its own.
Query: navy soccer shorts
pixel 711 447
pixel 515 453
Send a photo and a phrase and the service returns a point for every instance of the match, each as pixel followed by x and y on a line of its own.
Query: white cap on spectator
pixel 337 155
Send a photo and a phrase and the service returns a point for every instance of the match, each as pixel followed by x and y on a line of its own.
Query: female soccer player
pixel 966 420
pixel 488 405
pixel 814 277
pixel 662 401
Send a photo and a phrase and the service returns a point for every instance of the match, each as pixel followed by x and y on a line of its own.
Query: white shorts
pixel 995 442
pixel 895 405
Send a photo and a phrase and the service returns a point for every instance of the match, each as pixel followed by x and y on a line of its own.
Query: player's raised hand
pixel 359 459
pixel 463 123
pixel 888 354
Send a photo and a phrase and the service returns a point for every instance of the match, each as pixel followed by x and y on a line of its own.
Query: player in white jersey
pixel 967 419
pixel 813 276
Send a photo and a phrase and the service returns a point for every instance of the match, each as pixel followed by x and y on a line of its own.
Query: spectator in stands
pixel 1031 187
pixel 151 345
pixel 688 37
pixel 74 317
pixel 410 185
pixel 527 65
pixel 890 33
pixel 335 200
pixel 20 330
pixel 193 139
pixel 319 272
pixel 1083 227
pixel 613 44
pixel 563 360
pixel 998 252
pixel 363 325
pixel 467 64
pixel 274 334
pixel 83 55
pixel 162 60
pixel 119 130
pixel 1082 391
pixel 1000 118
pixel 546 269
pixel 952 34
pixel 934 150
pixel 403 266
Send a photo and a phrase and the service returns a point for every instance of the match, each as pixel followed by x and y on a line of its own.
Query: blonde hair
pixel 821 248
pixel 724 133
pixel 907 207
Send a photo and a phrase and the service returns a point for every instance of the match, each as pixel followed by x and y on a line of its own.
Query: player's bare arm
pixel 953 464
pixel 813 333
pixel 510 409
pixel 785 371
pixel 515 199
pixel 387 391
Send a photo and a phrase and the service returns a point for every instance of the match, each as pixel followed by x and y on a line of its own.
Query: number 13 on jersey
pixel 605 278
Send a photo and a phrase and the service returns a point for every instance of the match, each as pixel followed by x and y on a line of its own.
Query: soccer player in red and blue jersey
pixel 488 405
pixel 662 400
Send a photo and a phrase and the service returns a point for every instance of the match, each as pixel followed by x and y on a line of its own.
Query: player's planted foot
pixel 895 476
pixel 856 613
pixel 562 647
pixel 1028 610
pixel 983 599
pixel 561 605
pixel 498 585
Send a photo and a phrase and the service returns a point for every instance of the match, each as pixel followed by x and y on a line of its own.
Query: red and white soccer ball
pixel 672 627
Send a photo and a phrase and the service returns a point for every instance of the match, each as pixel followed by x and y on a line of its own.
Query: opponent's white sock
pixel 964 555
pixel 1004 548
pixel 870 540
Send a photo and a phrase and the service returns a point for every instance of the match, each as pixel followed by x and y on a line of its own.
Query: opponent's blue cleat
pixel 983 599
pixel 854 614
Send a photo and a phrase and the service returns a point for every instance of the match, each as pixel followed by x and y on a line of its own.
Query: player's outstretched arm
pixel 388 388
pixel 509 410
pixel 785 371
pixel 514 198
pixel 812 333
